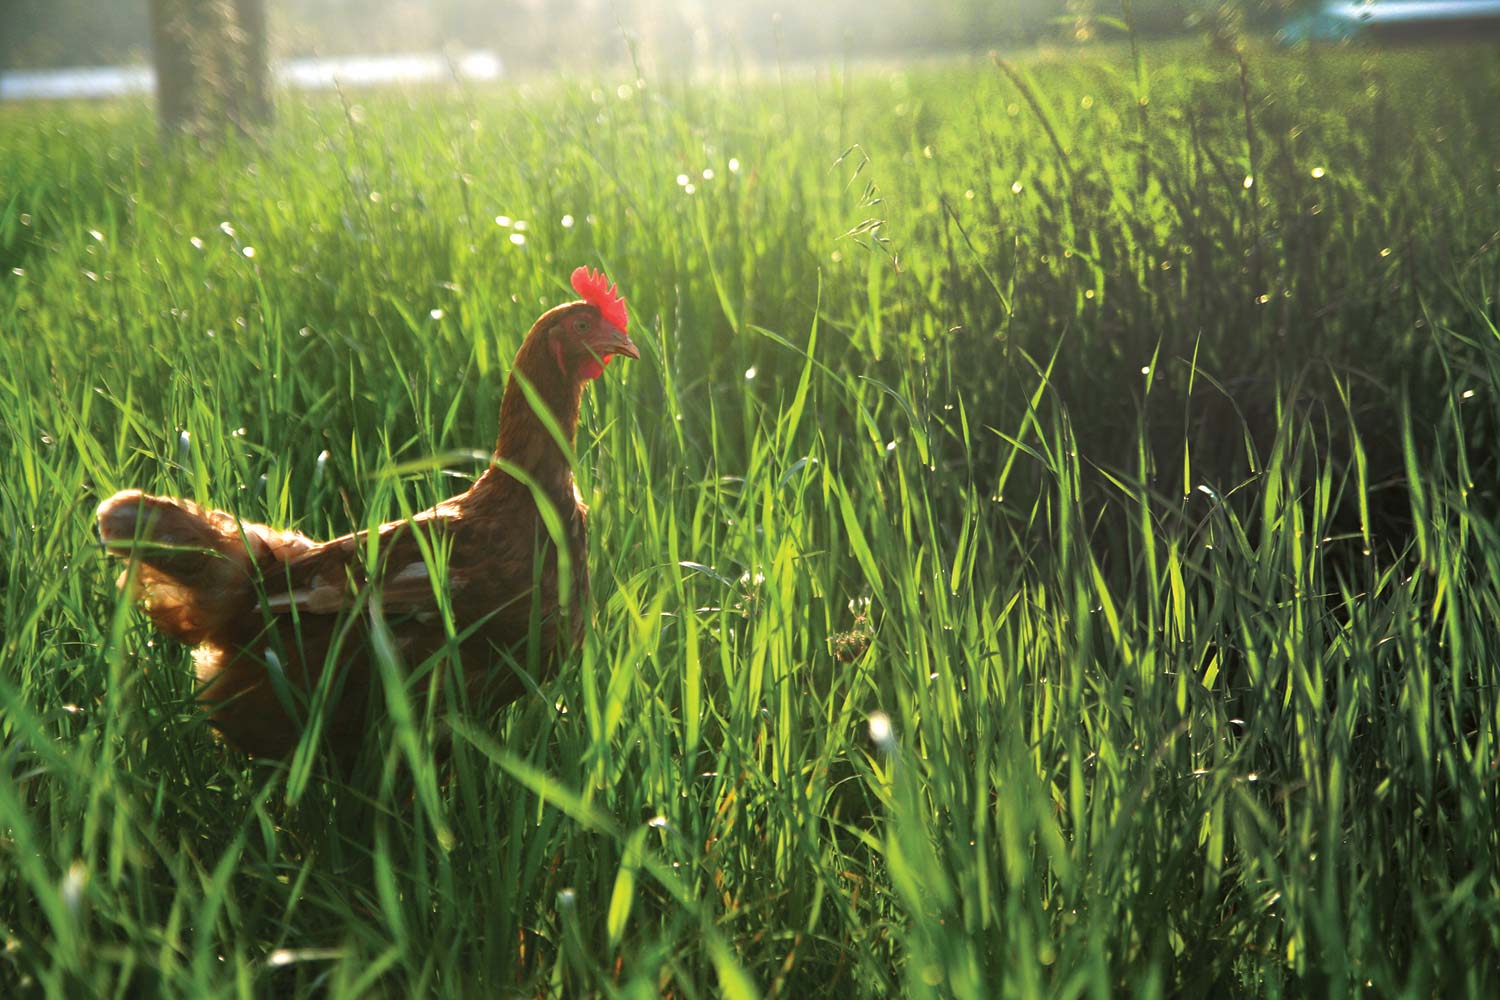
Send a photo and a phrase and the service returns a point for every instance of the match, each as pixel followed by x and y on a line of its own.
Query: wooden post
pixel 212 65
pixel 177 82
pixel 255 61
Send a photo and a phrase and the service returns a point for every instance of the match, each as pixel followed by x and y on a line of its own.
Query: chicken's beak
pixel 609 341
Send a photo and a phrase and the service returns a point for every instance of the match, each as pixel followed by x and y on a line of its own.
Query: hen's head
pixel 582 337
pixel 566 348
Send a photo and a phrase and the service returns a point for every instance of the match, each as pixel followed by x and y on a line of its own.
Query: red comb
pixel 596 290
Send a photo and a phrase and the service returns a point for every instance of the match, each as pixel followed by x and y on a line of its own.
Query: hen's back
pixel 194 569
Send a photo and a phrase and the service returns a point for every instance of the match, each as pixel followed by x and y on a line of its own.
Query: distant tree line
pixel 36 33
pixel 551 34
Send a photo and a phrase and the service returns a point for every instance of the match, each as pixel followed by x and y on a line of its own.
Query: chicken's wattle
pixel 591 369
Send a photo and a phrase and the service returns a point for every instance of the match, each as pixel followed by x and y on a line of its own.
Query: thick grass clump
pixel 1050 546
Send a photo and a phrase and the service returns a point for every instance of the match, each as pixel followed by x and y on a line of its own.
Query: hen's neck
pixel 524 441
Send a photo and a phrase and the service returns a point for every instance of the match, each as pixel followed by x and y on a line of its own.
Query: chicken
pixel 269 612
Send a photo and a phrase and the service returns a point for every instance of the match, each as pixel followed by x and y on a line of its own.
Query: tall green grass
pixel 1127 457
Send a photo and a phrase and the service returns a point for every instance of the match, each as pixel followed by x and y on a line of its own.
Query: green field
pixel 1124 430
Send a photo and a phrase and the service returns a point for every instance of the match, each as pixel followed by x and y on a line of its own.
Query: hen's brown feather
pixel 193 567
pixel 281 622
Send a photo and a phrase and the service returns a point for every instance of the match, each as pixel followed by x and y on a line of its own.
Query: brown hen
pixel 270 612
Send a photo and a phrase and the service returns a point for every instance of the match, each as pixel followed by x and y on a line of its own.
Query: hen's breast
pixel 503 565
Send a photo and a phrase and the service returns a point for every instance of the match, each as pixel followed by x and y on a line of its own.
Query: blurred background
pixel 220 57
pixel 558 35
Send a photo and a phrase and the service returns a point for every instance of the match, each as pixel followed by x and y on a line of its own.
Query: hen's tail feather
pixel 192 568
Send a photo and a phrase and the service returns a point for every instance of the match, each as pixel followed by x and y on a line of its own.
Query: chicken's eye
pixel 580 324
